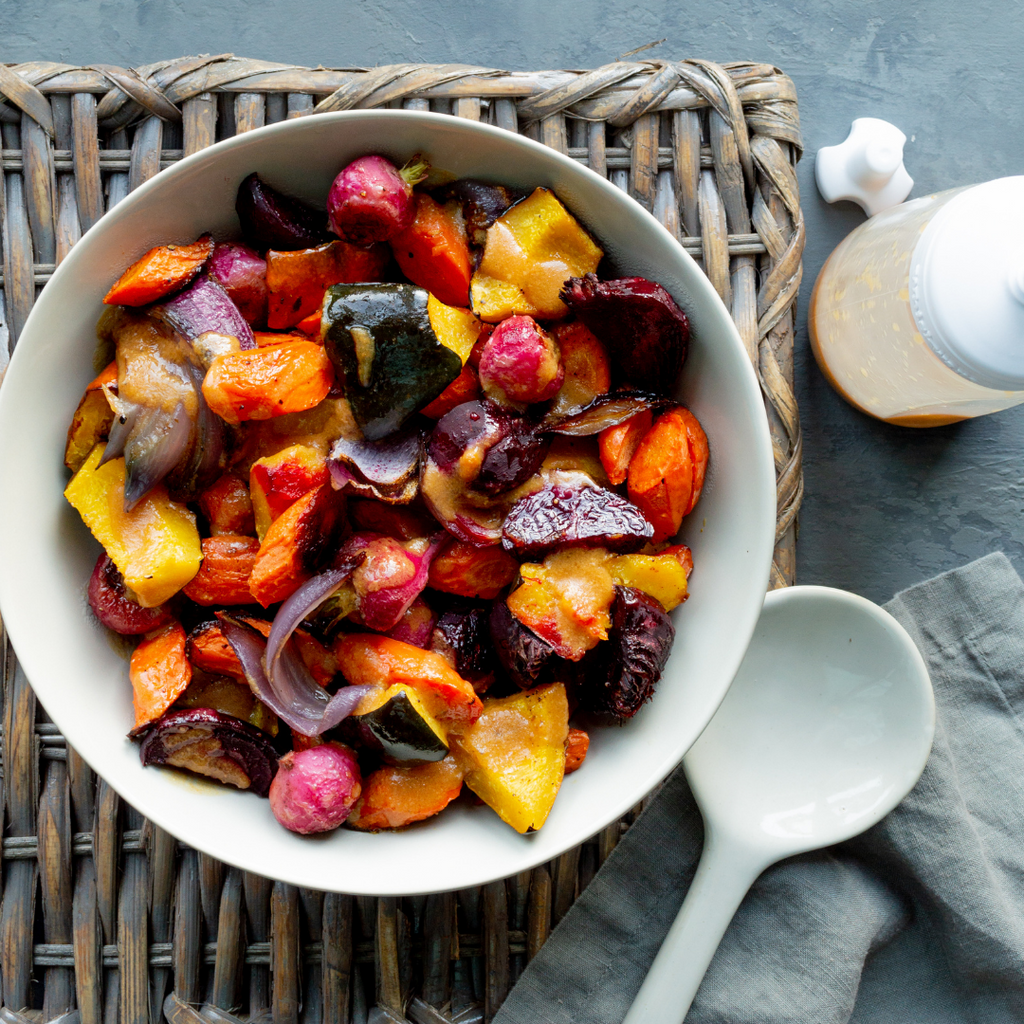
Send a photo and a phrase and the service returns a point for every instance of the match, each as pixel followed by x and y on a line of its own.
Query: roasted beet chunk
pixel 463 637
pixel 208 743
pixel 512 459
pixel 624 671
pixel 110 600
pixel 526 658
pixel 645 331
pixel 560 517
pixel 272 220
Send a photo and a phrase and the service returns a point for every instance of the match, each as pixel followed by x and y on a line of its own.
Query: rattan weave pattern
pixel 106 917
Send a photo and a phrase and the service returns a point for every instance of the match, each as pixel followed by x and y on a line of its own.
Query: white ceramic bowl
pixel 47 554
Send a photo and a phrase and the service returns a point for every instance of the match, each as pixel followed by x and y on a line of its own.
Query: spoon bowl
pixel 826 727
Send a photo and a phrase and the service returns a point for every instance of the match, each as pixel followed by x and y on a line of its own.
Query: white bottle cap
pixel 867 168
pixel 967 284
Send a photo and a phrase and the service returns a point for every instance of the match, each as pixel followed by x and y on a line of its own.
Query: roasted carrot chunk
pixel 662 475
pixel 618 445
pixel 294 545
pixel 576 746
pixel 279 480
pixel 393 797
pixel 228 507
pixel 223 578
pixel 588 372
pixel 262 383
pixel 161 271
pixel 159 672
pixel 469 571
pixel 464 388
pixel 433 252
pixel 311 324
pixel 297 281
pixel 699 453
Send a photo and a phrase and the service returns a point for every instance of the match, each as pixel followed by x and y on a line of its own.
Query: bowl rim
pixel 18 621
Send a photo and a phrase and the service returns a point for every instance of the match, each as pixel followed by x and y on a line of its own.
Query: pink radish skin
pixel 242 273
pixel 370 201
pixel 315 789
pixel 520 363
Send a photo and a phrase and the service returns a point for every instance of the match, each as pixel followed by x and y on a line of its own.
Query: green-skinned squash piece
pixel 390 361
pixel 402 728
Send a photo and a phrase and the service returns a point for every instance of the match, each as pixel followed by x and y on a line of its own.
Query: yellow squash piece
pixel 514 754
pixel 661 576
pixel 156 545
pixel 531 251
pixel 457 329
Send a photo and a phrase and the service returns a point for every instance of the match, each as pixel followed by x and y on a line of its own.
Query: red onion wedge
pixel 156 445
pixel 387 470
pixel 305 706
pixel 604 411
pixel 205 307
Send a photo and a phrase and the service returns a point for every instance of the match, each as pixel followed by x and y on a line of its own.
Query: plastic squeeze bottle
pixel 917 317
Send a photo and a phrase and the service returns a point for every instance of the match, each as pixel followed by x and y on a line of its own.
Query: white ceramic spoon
pixel 825 729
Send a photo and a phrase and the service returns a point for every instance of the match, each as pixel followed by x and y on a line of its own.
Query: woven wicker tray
pixel 106 913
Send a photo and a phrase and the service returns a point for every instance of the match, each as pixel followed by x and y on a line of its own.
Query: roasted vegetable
pixel 203 741
pixel 470 571
pixel 401 728
pixel 92 420
pixel 268 382
pixel 395 797
pixel 663 576
pixel 161 271
pixel 371 200
pixel 272 220
pixel 155 546
pixel 298 280
pixel 314 789
pixel 159 673
pixel 223 578
pixel 433 252
pixel 387 470
pixel 228 507
pixel 388 357
pixel 115 607
pixel 205 308
pixel 576 746
pixel 527 658
pixel 279 480
pixel 465 388
pixel 557 517
pixel 456 328
pixel 295 545
pixel 228 697
pixel 618 445
pixel 514 754
pixel 532 250
pixel 520 363
pixel 416 626
pixel 462 637
pixel 587 370
pixel 645 331
pixel 608 410
pixel 482 204
pixel 623 674
pixel 242 273
pixel 403 522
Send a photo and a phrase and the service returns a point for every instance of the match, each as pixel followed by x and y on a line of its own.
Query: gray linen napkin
pixel 921 919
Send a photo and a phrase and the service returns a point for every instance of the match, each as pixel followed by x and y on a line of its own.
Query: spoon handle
pixel 725 873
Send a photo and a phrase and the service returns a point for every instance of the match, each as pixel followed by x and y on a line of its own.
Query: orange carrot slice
pixel 161 271
pixel 433 252
pixel 159 672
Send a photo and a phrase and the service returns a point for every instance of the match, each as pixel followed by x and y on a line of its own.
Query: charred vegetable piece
pixel 576 746
pixel 242 273
pixel 433 252
pixel 520 363
pixel 268 382
pixel 115 607
pixel 168 558
pixel 279 480
pixel 388 357
pixel 272 220
pixel 295 545
pixel 229 697
pixel 471 571
pixel 401 727
pixel 557 517
pixel 618 445
pixel 228 507
pixel 315 789
pixel 532 250
pixel 623 675
pixel 387 470
pixel 371 200
pixel 92 420
pixel 203 741
pixel 223 577
pixel 605 411
pixel 463 637
pixel 482 204
pixel 159 673
pixel 161 271
pixel 297 281
pixel 514 754
pixel 646 332
pixel 205 308
pixel 395 797
pixel 528 659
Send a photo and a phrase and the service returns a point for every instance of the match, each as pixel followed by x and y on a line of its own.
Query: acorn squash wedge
pixel 402 728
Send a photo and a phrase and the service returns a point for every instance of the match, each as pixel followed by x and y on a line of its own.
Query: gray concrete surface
pixel 885 506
